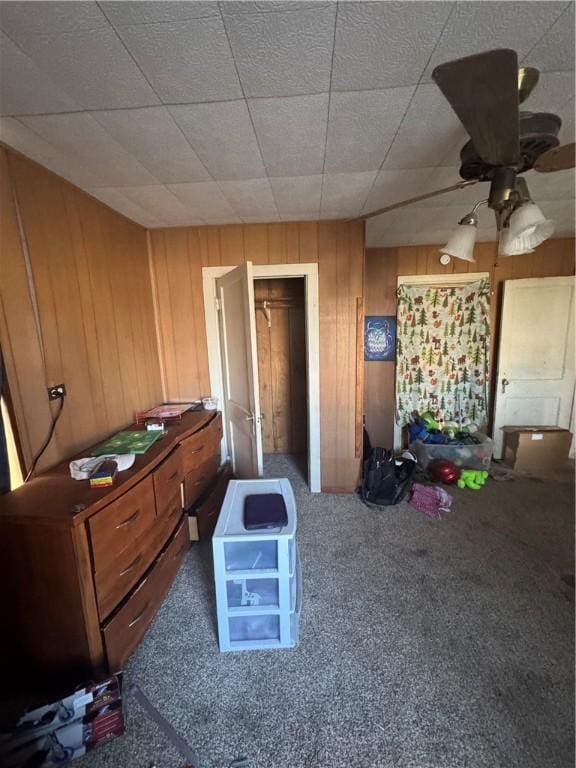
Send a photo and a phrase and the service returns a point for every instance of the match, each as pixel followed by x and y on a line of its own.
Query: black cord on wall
pixel 46 443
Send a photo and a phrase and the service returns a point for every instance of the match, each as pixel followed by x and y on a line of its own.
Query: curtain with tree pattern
pixel 442 352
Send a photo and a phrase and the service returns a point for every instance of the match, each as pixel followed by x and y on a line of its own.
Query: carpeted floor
pixel 424 644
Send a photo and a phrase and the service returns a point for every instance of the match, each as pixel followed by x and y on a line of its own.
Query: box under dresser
pixel 84 570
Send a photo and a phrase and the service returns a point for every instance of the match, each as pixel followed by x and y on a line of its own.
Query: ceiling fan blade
pixel 483 91
pixel 411 200
pixel 556 159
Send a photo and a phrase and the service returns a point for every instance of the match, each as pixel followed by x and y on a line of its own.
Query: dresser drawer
pixel 167 478
pixel 202 445
pixel 125 629
pixel 209 507
pixel 115 527
pixel 119 576
pixel 200 479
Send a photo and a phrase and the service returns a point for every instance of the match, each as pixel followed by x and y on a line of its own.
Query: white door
pixel 237 324
pixel 536 359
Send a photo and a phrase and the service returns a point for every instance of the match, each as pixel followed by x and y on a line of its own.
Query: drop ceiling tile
pixel 21 19
pixel 29 143
pixel 476 26
pixel 264 218
pixel 414 219
pixel 116 198
pixel 551 186
pixel 555 50
pixel 552 93
pixel 250 198
pixel 158 201
pixel 122 13
pixel 222 136
pixel 395 186
pixel 153 138
pixel 343 194
pixel 361 127
pixel 206 201
pixel 566 114
pixel 185 61
pixel 429 132
pixel 283 54
pixel 90 65
pixel 232 7
pixel 86 142
pixel 385 45
pixel 24 89
pixel 562 212
pixel 291 133
pixel 297 196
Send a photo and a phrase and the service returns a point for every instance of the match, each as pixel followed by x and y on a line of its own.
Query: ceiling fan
pixel 485 91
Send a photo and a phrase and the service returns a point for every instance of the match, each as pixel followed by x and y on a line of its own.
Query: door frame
pixel 269 272
pixel 451 280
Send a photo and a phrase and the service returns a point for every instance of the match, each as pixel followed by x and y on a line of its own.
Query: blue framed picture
pixel 379 337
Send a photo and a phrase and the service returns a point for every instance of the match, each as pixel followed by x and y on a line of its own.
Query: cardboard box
pixel 539 450
pixel 64 730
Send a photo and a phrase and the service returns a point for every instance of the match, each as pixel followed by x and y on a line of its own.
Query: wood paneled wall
pixel 177 257
pixel 383 265
pixel 94 326
pixel 282 365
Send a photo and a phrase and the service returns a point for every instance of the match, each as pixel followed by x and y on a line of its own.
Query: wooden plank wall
pixel 383 265
pixel 282 365
pixel 93 294
pixel 177 257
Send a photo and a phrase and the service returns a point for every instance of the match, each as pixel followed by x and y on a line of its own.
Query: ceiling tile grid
pixel 203 112
pixel 358 134
pixel 222 135
pixel 291 133
pixel 152 136
pixel 285 53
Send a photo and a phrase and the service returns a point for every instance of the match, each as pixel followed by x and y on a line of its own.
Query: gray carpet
pixel 424 644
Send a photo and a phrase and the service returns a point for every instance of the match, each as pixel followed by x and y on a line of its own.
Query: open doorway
pixel 231 330
pixel 281 349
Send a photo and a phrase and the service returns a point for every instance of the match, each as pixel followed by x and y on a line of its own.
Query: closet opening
pixel 279 305
pixel 263 333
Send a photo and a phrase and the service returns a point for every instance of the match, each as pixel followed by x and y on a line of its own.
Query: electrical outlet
pixel 57 392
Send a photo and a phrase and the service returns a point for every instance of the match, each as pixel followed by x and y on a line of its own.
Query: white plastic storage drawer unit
pixel 256 573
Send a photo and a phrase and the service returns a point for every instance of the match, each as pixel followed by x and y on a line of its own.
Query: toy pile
pixel 462 446
pixel 427 429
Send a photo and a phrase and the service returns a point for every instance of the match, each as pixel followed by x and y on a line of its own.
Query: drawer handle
pixel 198 449
pixel 132 565
pixel 129 520
pixel 172 477
pixel 199 482
pixel 140 615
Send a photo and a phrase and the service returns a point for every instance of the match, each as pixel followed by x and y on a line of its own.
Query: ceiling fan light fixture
pixel 517 247
pixel 461 243
pixel 528 226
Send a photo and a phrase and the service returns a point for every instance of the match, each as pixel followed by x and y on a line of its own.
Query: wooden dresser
pixel 83 570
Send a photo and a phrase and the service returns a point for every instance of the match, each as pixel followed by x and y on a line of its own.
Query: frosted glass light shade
pixel 461 243
pixel 528 222
pixel 508 246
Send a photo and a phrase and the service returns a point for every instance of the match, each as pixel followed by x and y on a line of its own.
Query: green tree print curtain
pixel 442 352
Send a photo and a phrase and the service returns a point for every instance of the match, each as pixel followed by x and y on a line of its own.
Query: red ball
pixel 444 471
